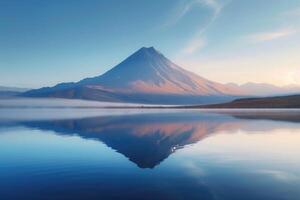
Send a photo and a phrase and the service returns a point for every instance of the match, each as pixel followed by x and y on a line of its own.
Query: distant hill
pixel 265 89
pixel 146 76
pixel 292 101
pixel 11 91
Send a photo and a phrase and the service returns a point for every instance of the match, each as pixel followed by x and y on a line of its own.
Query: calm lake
pixel 149 154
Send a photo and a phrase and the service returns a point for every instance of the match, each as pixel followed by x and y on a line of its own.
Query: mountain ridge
pixel 13 89
pixel 146 76
pixel 7 92
pixel 266 89
pixel 278 102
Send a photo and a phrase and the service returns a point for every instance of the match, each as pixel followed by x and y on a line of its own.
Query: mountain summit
pixel 146 76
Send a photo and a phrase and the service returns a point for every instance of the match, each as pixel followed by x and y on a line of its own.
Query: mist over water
pixel 142 154
pixel 56 102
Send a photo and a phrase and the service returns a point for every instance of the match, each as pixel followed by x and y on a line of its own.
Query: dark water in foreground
pixel 156 155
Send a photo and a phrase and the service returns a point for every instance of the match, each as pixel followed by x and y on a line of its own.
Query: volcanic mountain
pixel 146 76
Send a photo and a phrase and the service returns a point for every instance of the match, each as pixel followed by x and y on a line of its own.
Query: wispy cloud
pixel 194 45
pixel 213 4
pixel 272 35
pixel 184 7
pixel 198 41
pixel 179 12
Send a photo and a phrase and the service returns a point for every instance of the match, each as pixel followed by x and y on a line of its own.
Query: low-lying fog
pixel 57 102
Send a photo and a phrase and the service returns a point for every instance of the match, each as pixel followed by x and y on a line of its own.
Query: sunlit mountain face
pixel 148 139
pixel 146 76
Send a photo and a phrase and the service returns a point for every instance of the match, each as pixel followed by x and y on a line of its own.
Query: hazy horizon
pixel 47 42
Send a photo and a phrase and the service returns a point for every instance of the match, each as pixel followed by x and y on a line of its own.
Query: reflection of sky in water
pixel 207 156
pixel 265 164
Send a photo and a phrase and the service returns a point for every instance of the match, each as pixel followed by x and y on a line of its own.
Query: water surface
pixel 170 154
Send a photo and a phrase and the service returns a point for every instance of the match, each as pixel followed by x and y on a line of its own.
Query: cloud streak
pixel 194 45
pixel 273 35
pixel 198 41
pixel 186 6
pixel 213 4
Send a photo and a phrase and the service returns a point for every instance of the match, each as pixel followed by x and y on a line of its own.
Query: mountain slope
pixel 148 71
pixel 292 101
pixel 145 76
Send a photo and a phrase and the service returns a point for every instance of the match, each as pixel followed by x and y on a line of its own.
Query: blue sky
pixel 46 42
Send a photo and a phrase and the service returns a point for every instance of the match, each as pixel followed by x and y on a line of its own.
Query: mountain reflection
pixel 148 139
